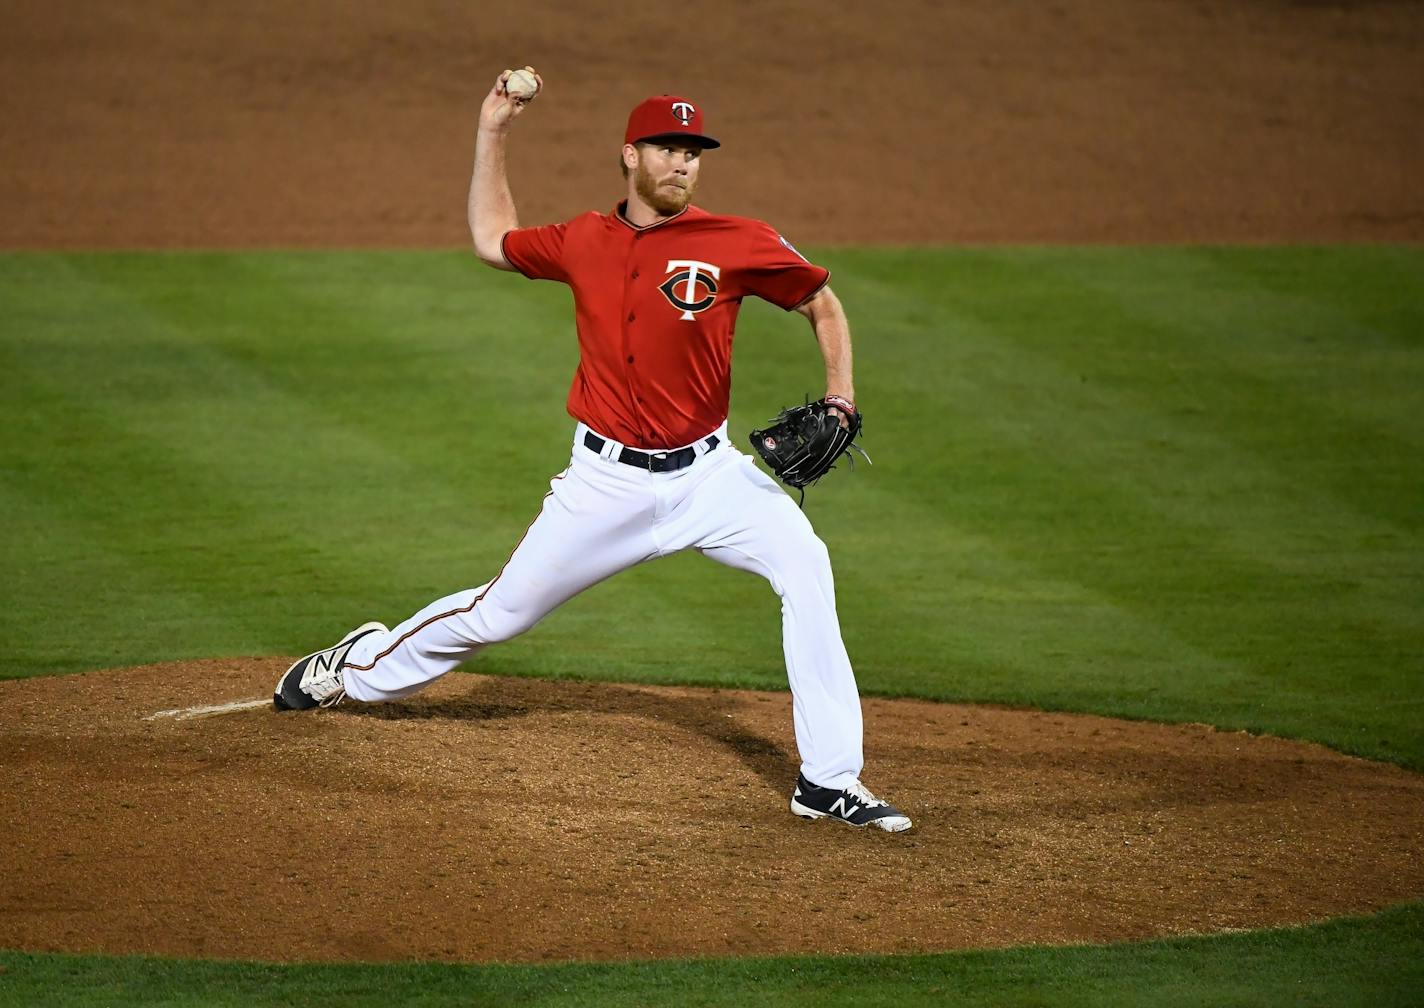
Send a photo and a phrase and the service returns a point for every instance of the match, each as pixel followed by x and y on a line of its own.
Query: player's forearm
pixel 828 321
pixel 491 204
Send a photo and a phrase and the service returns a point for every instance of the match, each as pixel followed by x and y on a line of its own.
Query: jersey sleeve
pixel 776 272
pixel 537 252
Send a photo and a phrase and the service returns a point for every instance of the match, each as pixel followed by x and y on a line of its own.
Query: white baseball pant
pixel 602 516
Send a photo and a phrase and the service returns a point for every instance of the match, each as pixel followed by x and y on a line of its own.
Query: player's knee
pixel 493 626
pixel 802 560
pixel 816 554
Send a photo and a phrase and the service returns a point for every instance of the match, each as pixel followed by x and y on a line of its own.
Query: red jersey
pixel 656 309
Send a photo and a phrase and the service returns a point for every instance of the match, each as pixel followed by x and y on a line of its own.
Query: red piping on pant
pixel 456 612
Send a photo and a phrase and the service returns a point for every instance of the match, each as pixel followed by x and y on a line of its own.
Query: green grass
pixel 1175 484
pixel 1185 485
pixel 1377 961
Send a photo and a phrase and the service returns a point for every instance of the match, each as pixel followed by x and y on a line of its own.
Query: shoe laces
pixel 863 793
pixel 325 683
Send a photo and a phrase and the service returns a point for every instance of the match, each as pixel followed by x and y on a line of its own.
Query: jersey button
pixel 635 274
pixel 630 359
pixel 631 316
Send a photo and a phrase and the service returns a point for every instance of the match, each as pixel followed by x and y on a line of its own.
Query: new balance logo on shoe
pixel 854 805
pixel 845 811
pixel 317 679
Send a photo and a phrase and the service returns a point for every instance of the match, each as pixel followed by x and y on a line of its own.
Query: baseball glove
pixel 805 442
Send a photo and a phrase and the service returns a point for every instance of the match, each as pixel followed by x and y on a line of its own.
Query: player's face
pixel 665 175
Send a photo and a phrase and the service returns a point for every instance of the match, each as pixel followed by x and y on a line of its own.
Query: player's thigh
pixel 757 527
pixel 586 531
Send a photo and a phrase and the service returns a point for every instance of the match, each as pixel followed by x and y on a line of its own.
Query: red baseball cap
pixel 667 116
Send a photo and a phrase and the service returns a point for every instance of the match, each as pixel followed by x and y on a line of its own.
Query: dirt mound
pixel 506 819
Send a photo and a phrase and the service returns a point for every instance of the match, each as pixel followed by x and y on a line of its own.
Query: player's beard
pixel 666 200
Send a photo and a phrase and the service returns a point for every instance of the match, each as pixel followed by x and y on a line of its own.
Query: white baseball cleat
pixel 855 806
pixel 316 680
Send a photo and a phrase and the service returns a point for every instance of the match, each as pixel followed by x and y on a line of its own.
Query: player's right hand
pixel 499 108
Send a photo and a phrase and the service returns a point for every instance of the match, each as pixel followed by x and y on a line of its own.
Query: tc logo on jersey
pixel 683 111
pixel 692 287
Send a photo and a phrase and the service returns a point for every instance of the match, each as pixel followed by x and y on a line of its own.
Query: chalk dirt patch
pixel 505 819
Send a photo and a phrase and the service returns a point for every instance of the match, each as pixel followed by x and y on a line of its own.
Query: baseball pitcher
pixel 657 284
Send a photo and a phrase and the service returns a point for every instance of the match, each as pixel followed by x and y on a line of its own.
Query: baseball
pixel 522 85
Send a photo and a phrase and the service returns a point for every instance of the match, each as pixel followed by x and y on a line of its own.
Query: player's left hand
pixel 843 408
pixel 804 442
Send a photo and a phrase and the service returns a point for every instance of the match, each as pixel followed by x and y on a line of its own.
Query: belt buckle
pixel 653 458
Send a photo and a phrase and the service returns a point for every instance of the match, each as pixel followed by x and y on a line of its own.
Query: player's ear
pixel 630 158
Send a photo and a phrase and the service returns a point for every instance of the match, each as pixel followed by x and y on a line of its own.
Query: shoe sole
pixel 801 811
pixel 281 705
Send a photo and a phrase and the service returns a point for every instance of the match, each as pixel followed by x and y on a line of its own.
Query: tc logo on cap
pixel 649 121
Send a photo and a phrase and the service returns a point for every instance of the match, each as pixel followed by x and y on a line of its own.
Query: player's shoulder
pixel 589 219
pixel 704 219
pixel 755 233
pixel 583 221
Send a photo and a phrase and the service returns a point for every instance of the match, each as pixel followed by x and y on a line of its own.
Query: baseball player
pixel 657 283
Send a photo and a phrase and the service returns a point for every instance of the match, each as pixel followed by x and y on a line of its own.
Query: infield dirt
pixel 521 820
pixel 163 123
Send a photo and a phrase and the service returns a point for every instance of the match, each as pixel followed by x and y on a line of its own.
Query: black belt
pixel 659 462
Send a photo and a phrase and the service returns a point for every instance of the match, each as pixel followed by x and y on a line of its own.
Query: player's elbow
pixel 823 302
pixel 489 248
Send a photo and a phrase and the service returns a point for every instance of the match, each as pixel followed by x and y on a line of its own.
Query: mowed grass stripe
pixel 1278 372
pixel 1119 486
pixel 327 440
pixel 179 436
pixel 1121 480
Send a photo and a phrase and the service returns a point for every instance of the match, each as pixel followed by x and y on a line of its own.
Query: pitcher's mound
pixel 508 819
